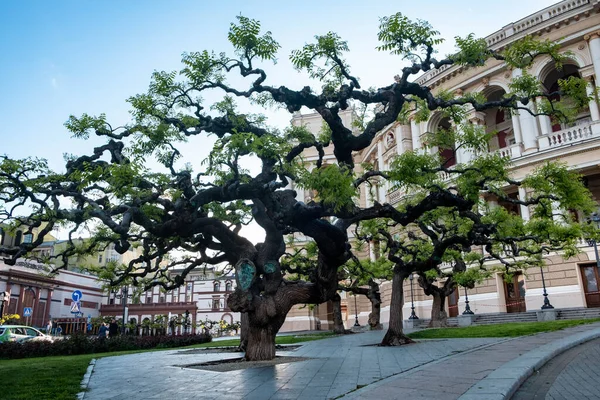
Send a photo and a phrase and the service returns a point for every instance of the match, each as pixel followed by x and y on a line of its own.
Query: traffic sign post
pixel 76 296
pixel 27 313
pixel 75 307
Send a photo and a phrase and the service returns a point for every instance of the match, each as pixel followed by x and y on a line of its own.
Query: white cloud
pixel 54 83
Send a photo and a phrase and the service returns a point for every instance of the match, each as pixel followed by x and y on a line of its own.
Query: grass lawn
pixel 500 330
pixel 60 377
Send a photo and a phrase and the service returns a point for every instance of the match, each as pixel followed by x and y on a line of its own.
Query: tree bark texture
pixel 439 317
pixel 395 334
pixel 338 323
pixel 261 342
pixel 244 331
pixel 374 296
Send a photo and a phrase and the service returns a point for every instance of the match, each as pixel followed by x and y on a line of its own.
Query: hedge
pixel 82 344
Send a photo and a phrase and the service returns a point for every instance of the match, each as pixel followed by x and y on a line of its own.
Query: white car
pixel 21 333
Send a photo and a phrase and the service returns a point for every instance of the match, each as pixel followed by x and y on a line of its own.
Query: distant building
pixel 203 296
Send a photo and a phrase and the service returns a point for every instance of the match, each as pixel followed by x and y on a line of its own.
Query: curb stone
pixel 506 380
pixel 86 379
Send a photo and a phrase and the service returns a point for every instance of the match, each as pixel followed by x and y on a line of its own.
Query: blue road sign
pixel 27 311
pixel 75 307
pixel 76 295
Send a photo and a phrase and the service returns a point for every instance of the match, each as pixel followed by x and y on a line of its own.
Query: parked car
pixel 21 333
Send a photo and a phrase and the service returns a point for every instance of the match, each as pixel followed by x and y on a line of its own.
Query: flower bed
pixel 81 344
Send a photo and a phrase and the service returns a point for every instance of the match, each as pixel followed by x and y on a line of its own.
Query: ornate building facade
pixel 527 140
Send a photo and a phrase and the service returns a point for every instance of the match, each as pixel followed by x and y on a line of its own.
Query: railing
pixel 495 39
pixel 566 136
pixel 106 308
pixel 512 151
pixel 394 196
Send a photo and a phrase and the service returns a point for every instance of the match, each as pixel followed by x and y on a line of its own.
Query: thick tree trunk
pixel 261 339
pixel 439 318
pixel 395 335
pixel 338 323
pixel 243 331
pixel 375 298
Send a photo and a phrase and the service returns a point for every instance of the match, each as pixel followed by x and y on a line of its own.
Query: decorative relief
pixel 270 267
pixel 245 273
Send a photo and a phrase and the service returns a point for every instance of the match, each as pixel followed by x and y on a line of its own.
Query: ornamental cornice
pixel 592 35
pixel 544 21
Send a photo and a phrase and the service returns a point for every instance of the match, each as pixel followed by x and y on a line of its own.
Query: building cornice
pixel 544 21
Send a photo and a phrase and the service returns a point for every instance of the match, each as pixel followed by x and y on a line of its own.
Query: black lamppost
pixel 595 218
pixel 468 310
pixel 124 296
pixel 355 312
pixel 412 300
pixel 186 323
pixel 546 305
pixel 2 300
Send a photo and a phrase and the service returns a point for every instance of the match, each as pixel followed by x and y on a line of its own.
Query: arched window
pixel 217 286
pixel 228 287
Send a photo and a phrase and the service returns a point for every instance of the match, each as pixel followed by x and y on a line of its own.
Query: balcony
pixel 566 136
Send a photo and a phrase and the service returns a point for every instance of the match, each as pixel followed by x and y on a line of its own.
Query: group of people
pixel 52 328
pixel 108 330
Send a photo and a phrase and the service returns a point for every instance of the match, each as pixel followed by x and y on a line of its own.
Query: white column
pixel 381 167
pixel 415 133
pixel 524 209
pixel 401 133
pixel 516 128
pixel 545 122
pixel 594 43
pixel 367 195
pixel 594 112
pixel 371 251
pixel 529 131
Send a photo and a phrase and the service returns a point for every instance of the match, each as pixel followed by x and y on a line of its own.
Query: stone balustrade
pixel 565 136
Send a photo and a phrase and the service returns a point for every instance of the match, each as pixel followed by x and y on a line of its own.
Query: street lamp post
pixel 187 316
pixel 595 218
pixel 355 312
pixel 124 295
pixel 413 315
pixel 2 300
pixel 468 310
pixel 546 305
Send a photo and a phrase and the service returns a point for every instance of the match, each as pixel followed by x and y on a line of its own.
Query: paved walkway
pixel 492 373
pixel 485 368
pixel 574 374
pixel 337 366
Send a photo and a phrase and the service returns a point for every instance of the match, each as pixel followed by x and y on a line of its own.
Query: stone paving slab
pixel 492 372
pixel 337 366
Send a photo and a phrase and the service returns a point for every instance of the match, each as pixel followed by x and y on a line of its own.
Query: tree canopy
pixel 113 193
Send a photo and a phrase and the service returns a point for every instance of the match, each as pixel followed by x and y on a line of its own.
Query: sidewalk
pixel 493 372
pixel 350 366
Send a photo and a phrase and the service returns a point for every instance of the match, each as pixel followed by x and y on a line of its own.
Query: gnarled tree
pixel 200 212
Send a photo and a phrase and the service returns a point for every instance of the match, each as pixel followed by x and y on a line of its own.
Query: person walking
pixel 113 329
pixel 49 327
pixel 102 331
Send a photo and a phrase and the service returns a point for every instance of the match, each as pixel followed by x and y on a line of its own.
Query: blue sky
pixel 69 57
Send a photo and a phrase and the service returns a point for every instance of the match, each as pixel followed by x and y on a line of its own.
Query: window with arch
pixel 217 286
pixel 447 155
pixel 550 76
pixel 228 287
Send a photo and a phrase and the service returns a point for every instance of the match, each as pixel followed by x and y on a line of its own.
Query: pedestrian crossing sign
pixel 75 308
pixel 27 311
